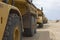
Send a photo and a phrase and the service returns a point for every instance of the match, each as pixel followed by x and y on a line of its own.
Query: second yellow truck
pixel 39 18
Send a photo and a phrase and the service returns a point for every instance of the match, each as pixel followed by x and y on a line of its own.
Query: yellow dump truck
pixel 39 18
pixel 45 20
pixel 17 16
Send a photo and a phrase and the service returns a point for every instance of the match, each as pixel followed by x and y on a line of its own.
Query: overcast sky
pixel 51 8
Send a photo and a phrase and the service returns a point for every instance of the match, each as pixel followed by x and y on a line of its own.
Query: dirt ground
pixel 50 31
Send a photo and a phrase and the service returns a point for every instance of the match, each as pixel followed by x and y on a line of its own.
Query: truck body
pixel 17 16
pixel 39 18
pixel 45 20
pixel 28 12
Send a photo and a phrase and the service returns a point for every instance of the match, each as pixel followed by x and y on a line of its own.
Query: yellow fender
pixel 4 12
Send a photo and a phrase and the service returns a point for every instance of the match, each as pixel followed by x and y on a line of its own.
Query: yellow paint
pixel 0 0
pixel 39 19
pixel 20 0
pixel 4 12
pixel 23 7
pixel 32 9
pixel 16 33
pixel 40 16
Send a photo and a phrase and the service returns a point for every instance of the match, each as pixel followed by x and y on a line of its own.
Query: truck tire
pixel 13 28
pixel 35 30
pixel 40 25
pixel 28 32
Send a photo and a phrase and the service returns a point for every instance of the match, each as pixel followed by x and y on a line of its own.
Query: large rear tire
pixel 13 28
pixel 28 32
pixel 35 31
pixel 40 25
